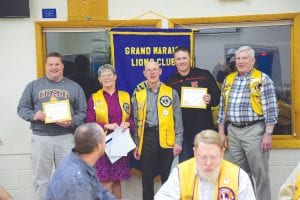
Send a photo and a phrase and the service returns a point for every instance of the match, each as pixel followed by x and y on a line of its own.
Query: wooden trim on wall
pixel 100 23
pixel 40 49
pixel 231 19
pixel 295 72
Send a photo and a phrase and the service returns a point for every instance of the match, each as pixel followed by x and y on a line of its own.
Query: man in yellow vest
pixel 291 188
pixel 248 104
pixel 207 176
pixel 159 129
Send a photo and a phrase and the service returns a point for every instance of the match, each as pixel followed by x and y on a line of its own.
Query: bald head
pixel 152 63
pixel 152 73
pixel 87 137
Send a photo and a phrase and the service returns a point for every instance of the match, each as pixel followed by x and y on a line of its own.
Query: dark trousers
pixel 187 150
pixel 154 158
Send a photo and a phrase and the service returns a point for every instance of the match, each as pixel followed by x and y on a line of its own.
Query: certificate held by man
pixel 57 111
pixel 192 97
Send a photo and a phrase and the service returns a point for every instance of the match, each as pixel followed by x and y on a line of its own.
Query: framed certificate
pixel 192 97
pixel 57 111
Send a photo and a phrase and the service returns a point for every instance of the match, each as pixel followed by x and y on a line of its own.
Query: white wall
pixel 18 67
pixel 199 8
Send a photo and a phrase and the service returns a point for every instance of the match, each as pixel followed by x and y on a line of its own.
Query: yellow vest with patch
pixel 165 116
pixel 189 182
pixel 254 87
pixel 101 109
pixel 297 189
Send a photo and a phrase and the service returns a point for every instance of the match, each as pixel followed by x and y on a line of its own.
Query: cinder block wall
pixel 16 175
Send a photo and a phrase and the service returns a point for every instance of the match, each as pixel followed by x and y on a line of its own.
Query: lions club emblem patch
pixel 226 193
pixel 165 101
pixel 126 108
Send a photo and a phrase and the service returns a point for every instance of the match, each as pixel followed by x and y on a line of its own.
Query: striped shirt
pixel 239 105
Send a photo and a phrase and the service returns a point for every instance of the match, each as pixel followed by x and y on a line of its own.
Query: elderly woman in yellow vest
pixel 291 188
pixel 207 176
pixel 111 108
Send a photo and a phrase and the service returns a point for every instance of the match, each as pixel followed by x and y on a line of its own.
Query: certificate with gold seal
pixel 192 97
pixel 56 111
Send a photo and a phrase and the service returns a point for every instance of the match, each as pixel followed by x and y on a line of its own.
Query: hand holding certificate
pixel 193 97
pixel 56 111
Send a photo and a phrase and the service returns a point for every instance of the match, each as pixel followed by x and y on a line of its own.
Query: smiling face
pixel 209 158
pixel 244 62
pixel 108 79
pixel 152 73
pixel 182 62
pixel 54 68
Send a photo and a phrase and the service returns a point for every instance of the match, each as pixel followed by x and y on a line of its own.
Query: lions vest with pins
pixel 226 187
pixel 101 109
pixel 254 87
pixel 165 116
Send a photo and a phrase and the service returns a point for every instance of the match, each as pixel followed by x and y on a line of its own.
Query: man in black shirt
pixel 194 119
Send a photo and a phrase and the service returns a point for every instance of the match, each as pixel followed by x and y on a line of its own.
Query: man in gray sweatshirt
pixel 51 140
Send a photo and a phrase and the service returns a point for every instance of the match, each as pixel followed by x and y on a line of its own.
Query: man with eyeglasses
pixel 207 176
pixel 158 122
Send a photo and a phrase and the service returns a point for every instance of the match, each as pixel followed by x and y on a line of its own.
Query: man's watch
pixel 268 133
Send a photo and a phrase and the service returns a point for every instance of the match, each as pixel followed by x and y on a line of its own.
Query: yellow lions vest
pixel 228 181
pixel 297 189
pixel 101 109
pixel 254 87
pixel 165 116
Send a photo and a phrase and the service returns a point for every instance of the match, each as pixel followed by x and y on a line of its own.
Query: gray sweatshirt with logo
pixel 40 91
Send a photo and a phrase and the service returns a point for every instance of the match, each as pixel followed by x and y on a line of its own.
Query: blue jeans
pixel 187 150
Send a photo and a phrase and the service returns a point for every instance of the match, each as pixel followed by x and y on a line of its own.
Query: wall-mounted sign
pixel 49 12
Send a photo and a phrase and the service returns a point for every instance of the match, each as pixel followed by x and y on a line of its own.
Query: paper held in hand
pixel 192 97
pixel 118 144
pixel 57 111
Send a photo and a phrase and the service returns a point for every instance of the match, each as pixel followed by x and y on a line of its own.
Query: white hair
pixel 247 49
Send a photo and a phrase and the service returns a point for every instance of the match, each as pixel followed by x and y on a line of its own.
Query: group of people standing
pixel 161 128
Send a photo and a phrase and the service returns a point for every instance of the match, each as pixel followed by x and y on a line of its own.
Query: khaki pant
pixel 47 152
pixel 245 151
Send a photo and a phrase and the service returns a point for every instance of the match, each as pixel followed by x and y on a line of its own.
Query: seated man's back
pixel 75 178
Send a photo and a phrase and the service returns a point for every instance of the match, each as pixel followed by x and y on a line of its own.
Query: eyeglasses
pixel 155 70
pixel 104 75
pixel 206 158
